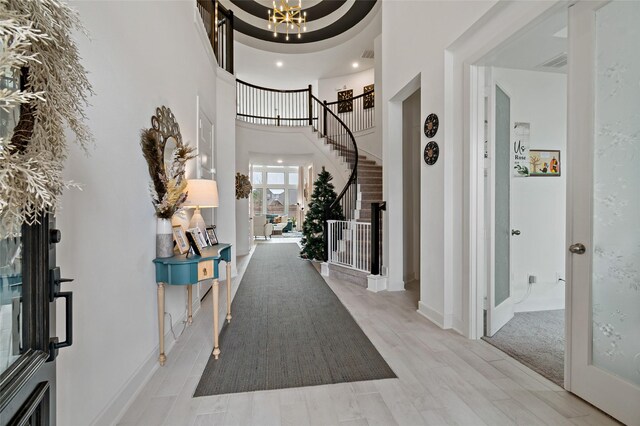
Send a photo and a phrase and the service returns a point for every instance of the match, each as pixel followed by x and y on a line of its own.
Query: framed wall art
pixel 345 102
pixel 369 97
pixel 544 162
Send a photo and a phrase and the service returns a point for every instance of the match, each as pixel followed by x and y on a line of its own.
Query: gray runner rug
pixel 288 330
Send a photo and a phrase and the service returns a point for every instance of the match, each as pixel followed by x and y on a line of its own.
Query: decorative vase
pixel 164 238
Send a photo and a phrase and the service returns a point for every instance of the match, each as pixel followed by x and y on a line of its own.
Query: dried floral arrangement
pixel 243 186
pixel 168 184
pixel 49 93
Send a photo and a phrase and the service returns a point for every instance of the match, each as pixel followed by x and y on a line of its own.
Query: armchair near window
pixel 261 228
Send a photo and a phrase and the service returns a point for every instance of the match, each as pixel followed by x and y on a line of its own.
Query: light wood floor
pixel 443 379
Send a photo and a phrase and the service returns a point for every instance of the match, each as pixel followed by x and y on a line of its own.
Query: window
pixel 256 178
pixel 275 178
pixel 293 178
pixel 275 190
pixel 257 200
pixel 275 201
pixel 293 200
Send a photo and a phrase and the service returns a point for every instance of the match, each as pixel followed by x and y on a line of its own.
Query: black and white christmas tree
pixel 313 229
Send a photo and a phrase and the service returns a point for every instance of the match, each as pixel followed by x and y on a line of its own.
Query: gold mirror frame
pixel 166 127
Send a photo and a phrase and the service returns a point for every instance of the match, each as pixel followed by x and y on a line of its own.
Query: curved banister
pixel 268 89
pixel 354 171
pixel 299 107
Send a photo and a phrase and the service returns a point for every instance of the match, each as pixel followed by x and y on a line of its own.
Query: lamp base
pixel 197 221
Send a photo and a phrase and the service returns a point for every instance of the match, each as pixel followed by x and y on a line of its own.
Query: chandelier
pixel 291 16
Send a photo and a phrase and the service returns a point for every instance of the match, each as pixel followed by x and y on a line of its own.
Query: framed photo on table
pixel 211 235
pixel 195 243
pixel 181 239
pixel 200 236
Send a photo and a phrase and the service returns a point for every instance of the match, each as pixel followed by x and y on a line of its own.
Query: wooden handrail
pixel 277 117
pixel 353 176
pixel 362 95
pixel 268 89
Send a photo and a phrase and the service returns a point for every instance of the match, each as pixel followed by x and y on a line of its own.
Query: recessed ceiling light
pixel 279 161
pixel 279 64
pixel 355 65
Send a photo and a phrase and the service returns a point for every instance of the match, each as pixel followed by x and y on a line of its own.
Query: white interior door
pixel 603 214
pixel 500 306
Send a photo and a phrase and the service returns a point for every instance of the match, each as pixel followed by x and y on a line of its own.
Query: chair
pixel 261 228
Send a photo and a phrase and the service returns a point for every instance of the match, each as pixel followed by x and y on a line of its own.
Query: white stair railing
pixel 349 244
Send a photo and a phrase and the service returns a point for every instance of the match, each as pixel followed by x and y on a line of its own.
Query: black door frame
pixel 27 387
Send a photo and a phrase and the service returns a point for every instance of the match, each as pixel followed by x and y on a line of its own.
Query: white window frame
pixel 265 186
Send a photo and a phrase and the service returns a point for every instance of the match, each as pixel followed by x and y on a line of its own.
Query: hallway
pixel 443 378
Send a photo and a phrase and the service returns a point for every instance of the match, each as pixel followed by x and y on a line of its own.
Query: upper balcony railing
pixel 218 22
pixel 358 113
pixel 294 107
pixel 275 107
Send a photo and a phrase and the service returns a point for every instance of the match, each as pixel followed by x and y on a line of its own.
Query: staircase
pixel 369 187
pixel 348 241
pixel 369 190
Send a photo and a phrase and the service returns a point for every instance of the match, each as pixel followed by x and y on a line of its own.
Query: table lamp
pixel 201 193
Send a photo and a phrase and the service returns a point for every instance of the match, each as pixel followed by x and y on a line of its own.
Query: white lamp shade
pixel 202 193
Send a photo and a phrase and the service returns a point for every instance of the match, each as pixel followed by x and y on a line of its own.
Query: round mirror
pixel 169 149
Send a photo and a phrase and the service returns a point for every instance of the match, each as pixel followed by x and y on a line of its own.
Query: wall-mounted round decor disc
pixel 431 153
pixel 431 125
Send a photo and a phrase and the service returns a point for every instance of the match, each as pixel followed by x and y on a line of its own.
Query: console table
pixel 183 270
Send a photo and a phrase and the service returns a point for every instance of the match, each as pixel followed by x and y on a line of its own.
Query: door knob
pixel 577 248
pixel 515 232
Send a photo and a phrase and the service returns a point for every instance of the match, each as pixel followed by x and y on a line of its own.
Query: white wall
pixel 328 88
pixel 141 55
pixel 413 50
pixel 538 204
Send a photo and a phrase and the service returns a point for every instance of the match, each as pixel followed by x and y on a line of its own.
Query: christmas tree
pixel 313 228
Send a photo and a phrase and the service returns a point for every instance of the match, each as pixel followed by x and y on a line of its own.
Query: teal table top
pixel 216 252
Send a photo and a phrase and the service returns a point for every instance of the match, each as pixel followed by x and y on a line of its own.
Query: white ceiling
pixel 304 64
pixel 534 47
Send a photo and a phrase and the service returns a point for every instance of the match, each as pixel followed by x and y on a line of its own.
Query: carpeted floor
pixel 288 330
pixel 536 339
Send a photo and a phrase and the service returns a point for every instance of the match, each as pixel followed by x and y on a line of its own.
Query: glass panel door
pixel 10 301
pixel 603 208
pixel 502 209
pixel 615 280
pixel 500 307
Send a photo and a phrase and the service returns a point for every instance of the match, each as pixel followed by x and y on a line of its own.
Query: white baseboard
pixel 458 325
pixel 127 394
pixel 431 314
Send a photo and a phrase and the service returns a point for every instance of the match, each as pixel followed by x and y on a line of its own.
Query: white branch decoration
pixel 36 43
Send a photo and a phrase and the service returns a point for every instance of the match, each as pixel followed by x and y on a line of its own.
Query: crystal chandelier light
pixel 291 16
